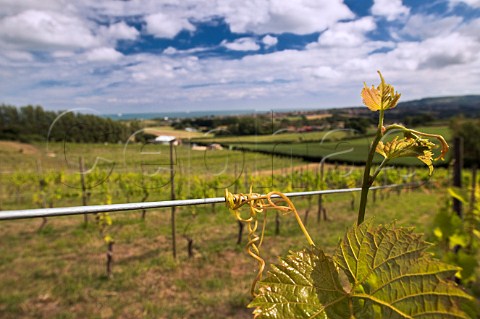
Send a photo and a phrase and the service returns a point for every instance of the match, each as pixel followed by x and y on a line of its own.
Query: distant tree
pixel 359 124
pixel 32 123
pixel 417 120
pixel 469 131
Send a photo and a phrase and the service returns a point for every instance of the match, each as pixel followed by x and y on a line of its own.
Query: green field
pixel 350 150
pixel 281 137
pixel 59 271
pixel 24 166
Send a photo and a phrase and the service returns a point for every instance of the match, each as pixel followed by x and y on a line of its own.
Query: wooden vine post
pixel 84 189
pixel 239 223
pixel 110 258
pixel 172 197
pixel 474 188
pixel 321 209
pixel 457 171
pixel 42 184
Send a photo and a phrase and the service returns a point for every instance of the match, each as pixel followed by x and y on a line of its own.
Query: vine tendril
pixel 259 204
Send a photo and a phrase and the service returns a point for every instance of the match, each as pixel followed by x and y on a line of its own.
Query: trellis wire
pixel 93 209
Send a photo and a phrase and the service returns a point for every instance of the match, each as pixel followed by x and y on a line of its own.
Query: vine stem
pixel 294 210
pixel 367 178
pixel 379 168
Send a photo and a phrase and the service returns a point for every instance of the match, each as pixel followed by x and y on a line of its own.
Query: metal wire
pixel 77 210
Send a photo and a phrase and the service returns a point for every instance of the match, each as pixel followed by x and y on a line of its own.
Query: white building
pixel 165 139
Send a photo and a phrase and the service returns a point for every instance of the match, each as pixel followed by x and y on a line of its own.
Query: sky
pixel 203 55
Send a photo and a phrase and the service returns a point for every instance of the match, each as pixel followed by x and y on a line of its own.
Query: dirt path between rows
pixel 11 146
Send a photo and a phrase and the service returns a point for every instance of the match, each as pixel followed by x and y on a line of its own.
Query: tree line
pixel 266 124
pixel 33 123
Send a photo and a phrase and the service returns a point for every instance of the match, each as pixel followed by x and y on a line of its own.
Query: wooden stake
pixel 457 171
pixel 172 197
pixel 84 189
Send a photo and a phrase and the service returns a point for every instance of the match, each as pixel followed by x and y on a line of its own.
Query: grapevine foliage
pixel 375 272
pixel 459 237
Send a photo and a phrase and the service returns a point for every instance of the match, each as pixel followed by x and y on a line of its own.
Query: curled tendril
pixel 258 204
pixel 440 138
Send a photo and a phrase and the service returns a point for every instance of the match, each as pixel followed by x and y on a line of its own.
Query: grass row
pixel 59 272
pixel 346 150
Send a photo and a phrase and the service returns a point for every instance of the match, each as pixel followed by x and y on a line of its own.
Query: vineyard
pixel 338 145
pixel 168 250
pixel 146 279
pixel 260 159
pixel 141 174
pixel 59 272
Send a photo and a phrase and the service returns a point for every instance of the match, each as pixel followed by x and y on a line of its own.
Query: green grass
pixel 117 161
pixel 347 150
pixel 130 157
pixel 284 137
pixel 59 272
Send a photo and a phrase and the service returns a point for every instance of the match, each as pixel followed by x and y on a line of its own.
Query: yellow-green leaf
pixel 458 193
pixel 371 98
pixel 288 291
pixel 383 97
pixel 108 239
pixel 408 147
pixel 389 269
pixel 388 275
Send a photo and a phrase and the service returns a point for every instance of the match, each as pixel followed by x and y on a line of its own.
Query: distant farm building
pixel 165 140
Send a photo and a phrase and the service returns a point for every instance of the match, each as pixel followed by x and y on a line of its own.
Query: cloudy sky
pixel 187 55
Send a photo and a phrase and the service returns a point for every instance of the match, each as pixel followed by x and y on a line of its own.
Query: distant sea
pixel 171 115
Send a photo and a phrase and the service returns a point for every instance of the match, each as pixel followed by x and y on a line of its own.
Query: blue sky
pixel 194 55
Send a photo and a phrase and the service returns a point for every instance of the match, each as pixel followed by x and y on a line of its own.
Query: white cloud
pixel 421 26
pixel 326 72
pixel 170 50
pixel 63 54
pixel 60 30
pixel 120 30
pixel 431 55
pixel 278 16
pixel 472 3
pixel 257 16
pixel 187 52
pixel 318 76
pixel 171 16
pixel 103 54
pixel 18 55
pixel 347 34
pixel 162 25
pixel 471 29
pixel 438 52
pixel 269 41
pixel 242 44
pixel 42 30
pixel 12 7
pixel 390 9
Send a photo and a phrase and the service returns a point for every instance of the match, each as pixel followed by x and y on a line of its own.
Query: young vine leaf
pixel 383 97
pixel 388 275
pixel 408 147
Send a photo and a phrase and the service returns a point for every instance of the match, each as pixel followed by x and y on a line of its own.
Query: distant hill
pixel 176 115
pixel 423 111
pixel 440 107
